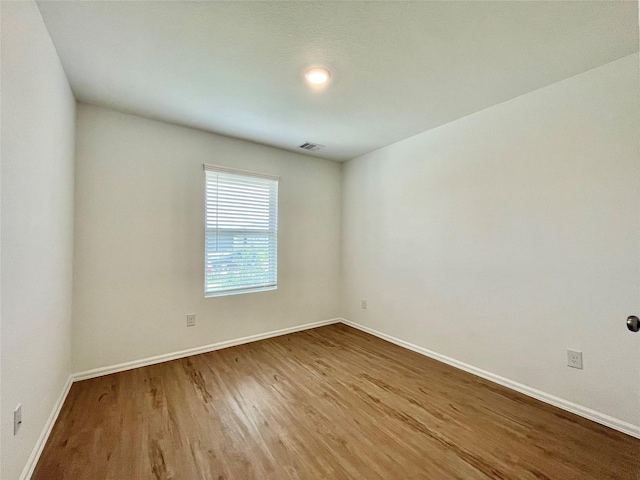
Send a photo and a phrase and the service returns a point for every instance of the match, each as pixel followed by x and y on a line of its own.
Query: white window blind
pixel 241 239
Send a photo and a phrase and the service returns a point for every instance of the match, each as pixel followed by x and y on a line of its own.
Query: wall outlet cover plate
pixel 574 359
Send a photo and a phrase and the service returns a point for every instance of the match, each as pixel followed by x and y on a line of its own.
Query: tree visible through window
pixel 241 232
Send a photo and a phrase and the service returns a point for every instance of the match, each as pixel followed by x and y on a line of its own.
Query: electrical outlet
pixel 364 304
pixel 574 359
pixel 191 320
pixel 17 419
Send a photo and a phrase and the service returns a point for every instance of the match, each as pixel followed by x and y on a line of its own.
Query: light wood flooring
pixel 328 403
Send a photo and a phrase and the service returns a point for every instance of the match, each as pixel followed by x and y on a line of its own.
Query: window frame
pixel 273 208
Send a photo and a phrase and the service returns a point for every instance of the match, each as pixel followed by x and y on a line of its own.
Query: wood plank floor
pixel 329 403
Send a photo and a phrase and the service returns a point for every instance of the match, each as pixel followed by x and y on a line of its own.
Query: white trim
pixel 616 424
pixel 121 367
pixel 601 418
pixel 98 372
pixel 46 431
pixel 217 168
pixel 240 291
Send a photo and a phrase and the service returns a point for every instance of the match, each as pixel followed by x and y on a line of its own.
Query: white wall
pixel 38 116
pixel 140 240
pixel 506 237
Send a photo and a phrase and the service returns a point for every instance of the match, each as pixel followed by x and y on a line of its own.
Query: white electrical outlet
pixel 574 359
pixel 191 320
pixel 364 304
pixel 17 419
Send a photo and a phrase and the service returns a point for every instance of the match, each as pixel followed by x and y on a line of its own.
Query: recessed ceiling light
pixel 317 76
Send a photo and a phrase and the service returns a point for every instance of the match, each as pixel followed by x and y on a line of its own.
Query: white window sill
pixel 239 292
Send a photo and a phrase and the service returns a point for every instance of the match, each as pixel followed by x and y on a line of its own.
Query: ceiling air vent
pixel 312 147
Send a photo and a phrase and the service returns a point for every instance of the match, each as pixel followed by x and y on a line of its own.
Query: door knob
pixel 633 323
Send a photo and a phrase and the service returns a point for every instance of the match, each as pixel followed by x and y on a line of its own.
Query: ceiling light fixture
pixel 317 76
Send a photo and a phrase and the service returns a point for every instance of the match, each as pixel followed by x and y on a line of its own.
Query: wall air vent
pixel 312 147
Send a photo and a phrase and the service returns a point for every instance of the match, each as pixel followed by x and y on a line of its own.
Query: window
pixel 241 232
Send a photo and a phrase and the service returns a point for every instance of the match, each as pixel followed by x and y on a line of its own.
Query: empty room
pixel 319 240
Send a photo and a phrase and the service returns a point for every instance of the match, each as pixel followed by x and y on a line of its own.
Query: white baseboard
pixel 98 372
pixel 601 418
pixel 622 426
pixel 121 367
pixel 46 431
